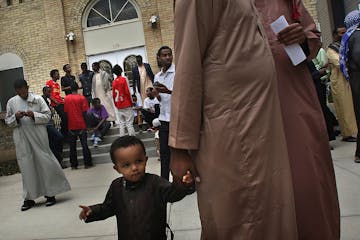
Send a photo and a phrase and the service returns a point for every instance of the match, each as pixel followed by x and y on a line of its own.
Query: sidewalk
pixel 89 186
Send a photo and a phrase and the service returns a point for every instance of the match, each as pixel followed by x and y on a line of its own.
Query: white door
pixel 11 68
pixel 119 58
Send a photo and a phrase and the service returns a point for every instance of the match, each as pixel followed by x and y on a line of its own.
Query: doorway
pixel 124 58
pixel 11 69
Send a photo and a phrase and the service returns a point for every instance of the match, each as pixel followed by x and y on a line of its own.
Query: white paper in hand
pixel 294 51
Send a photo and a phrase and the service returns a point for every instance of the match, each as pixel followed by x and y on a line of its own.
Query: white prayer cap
pixel 156 122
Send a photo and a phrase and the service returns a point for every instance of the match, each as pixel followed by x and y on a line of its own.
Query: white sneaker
pixel 95 143
pixel 92 137
pixel 98 139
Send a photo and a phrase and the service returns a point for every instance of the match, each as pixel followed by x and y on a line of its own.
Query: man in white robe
pixel 41 172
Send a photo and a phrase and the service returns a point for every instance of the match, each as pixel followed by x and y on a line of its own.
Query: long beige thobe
pixel 316 201
pixel 102 90
pixel 145 82
pixel 225 108
pixel 40 171
pixel 341 92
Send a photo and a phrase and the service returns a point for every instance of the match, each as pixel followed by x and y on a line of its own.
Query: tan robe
pixel 102 90
pixel 341 92
pixel 317 207
pixel 145 82
pixel 225 108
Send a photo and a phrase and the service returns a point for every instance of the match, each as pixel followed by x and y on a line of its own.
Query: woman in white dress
pixel 101 87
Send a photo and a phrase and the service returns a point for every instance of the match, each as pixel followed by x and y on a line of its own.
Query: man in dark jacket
pixel 143 77
pixel 320 87
pixel 86 81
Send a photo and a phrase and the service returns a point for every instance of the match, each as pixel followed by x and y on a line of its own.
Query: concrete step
pixel 116 129
pixel 111 137
pixel 99 158
pixel 101 154
pixel 104 147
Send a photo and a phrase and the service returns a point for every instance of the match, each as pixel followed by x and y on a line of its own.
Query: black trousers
pixel 82 135
pixel 63 116
pixel 149 116
pixel 55 142
pixel 330 119
pixel 92 121
pixel 88 99
pixel 355 90
pixel 164 149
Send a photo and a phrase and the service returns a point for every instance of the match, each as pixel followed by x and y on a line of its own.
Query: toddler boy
pixel 151 109
pixel 138 199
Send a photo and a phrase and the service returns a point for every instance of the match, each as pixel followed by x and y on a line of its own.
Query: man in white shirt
pixel 163 84
pixel 151 109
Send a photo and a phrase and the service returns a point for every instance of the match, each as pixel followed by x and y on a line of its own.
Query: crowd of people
pixel 109 99
pixel 103 102
pixel 235 117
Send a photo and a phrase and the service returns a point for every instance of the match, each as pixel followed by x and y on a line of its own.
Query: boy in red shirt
pixel 123 102
pixel 57 102
pixel 76 107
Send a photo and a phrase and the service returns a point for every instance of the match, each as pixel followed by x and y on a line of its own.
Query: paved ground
pixel 89 186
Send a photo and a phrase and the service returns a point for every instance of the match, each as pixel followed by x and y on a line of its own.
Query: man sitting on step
pixel 97 121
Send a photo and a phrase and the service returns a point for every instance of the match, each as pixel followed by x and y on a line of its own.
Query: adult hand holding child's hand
pixel 86 211
pixel 187 178
pixel 182 166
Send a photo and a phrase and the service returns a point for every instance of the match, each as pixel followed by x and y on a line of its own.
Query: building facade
pixel 331 14
pixel 39 35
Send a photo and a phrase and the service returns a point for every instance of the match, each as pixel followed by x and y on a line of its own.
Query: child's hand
pixel 86 211
pixel 187 178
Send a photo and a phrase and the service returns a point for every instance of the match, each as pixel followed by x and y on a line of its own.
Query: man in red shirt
pixel 123 102
pixel 76 107
pixel 57 101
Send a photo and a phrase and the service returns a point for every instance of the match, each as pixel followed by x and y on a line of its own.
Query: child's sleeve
pixel 104 210
pixel 172 192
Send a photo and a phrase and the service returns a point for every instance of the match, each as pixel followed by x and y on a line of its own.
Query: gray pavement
pixel 90 185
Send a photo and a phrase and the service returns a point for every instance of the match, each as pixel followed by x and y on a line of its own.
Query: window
pixel 9 2
pixel 111 11
pixel 129 64
pixel 11 68
pixel 106 66
pixel 7 79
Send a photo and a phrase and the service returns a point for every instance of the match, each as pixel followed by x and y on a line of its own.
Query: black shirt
pixel 354 52
pixel 86 82
pixel 140 208
pixel 68 82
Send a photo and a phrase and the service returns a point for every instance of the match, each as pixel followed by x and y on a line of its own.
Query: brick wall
pixel 311 6
pixel 7 147
pixel 325 21
pixel 34 30
pixel 154 37
pixel 320 11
